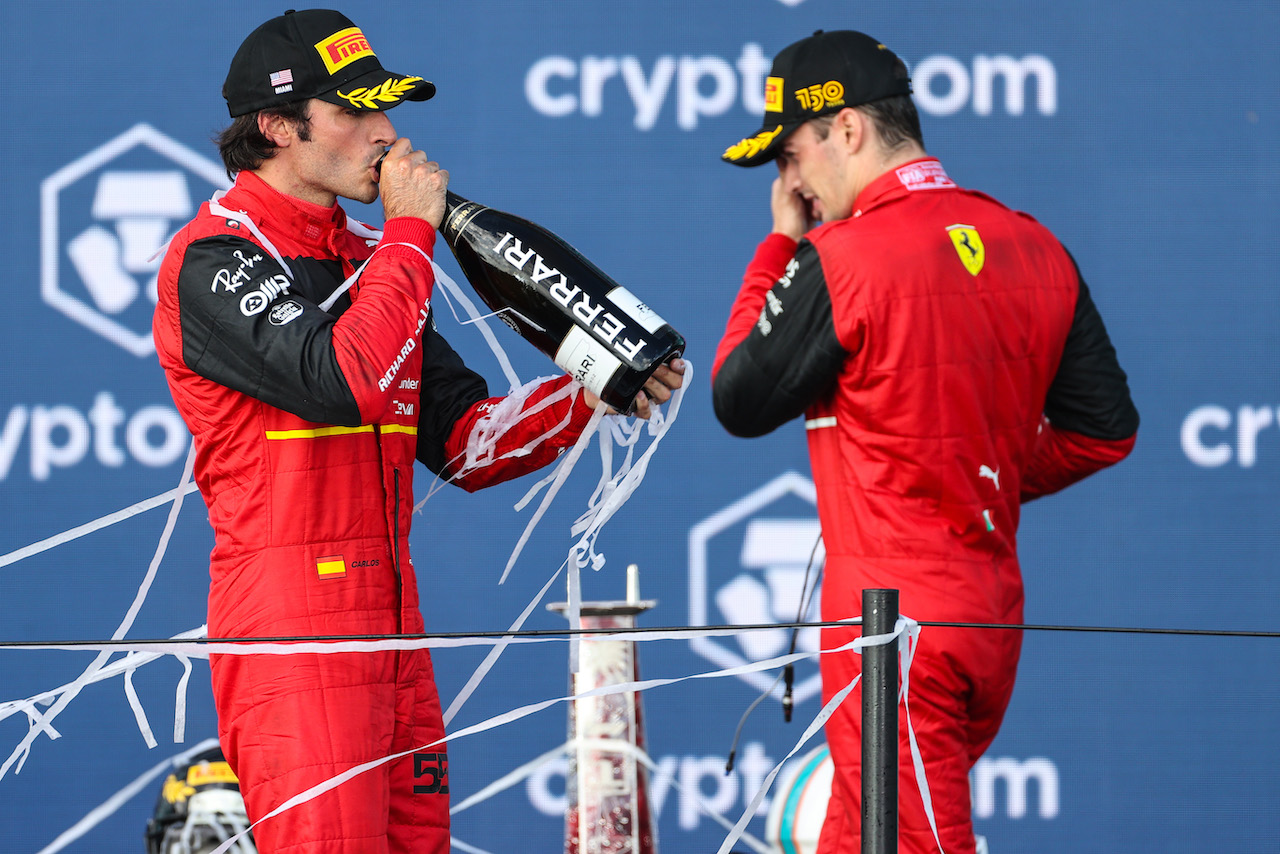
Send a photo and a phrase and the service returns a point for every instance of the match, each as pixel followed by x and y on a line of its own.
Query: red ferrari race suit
pixel 950 364
pixel 309 406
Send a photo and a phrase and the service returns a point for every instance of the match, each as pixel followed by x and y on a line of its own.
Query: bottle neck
pixel 456 210
pixel 451 201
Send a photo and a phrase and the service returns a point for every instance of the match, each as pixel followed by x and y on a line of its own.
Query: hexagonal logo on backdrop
pixel 104 218
pixel 757 561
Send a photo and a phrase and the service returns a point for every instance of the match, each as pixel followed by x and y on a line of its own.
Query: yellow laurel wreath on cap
pixel 389 91
pixel 752 145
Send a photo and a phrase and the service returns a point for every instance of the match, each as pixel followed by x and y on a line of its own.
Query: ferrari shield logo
pixel 968 246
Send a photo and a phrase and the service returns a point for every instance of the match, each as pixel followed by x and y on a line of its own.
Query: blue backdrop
pixel 1143 134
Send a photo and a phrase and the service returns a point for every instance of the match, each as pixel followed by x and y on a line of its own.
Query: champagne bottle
pixel 593 328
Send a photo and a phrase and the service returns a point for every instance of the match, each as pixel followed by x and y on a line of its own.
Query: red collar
pixel 926 173
pixel 310 225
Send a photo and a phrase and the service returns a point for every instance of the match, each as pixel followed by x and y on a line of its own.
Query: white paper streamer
pixel 562 470
pixel 218 209
pixel 350 281
pixel 264 647
pixel 112 804
pixel 508 780
pixel 97 524
pixel 906 652
pixel 480 672
pixel 180 702
pixel 906 632
pixel 626 747
pixel 573 612
pixel 532 708
pixel 611 493
pixel 133 660
pixel 451 291
pixel 40 722
pixel 903 626
pixel 138 714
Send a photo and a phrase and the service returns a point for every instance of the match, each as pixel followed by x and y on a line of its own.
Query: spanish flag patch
pixel 331 567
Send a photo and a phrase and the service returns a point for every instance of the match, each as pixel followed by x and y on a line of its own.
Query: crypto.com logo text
pixel 1213 435
pixel 747 565
pixel 103 218
pixel 709 86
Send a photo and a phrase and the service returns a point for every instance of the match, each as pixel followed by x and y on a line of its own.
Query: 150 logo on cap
pixel 820 95
pixel 343 48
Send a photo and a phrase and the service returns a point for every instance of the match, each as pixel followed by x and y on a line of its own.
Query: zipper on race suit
pixel 395 564
pixel 395 551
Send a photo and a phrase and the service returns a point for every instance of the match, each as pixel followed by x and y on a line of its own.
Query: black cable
pixel 789 671
pixel 806 596
pixel 553 633
pixel 789 677
pixel 737 733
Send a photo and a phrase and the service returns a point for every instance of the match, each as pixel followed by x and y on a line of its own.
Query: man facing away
pixel 949 363
pixel 301 351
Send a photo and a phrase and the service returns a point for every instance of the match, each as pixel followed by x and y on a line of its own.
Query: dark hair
pixel 243 146
pixel 896 120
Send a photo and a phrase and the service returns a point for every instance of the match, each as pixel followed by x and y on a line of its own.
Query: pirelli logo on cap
pixel 773 94
pixel 206 773
pixel 343 48
pixel 331 567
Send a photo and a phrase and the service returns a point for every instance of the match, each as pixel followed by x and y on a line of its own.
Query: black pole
pixel 879 725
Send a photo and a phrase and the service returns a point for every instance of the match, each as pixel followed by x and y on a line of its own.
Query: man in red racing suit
pixel 949 363
pixel 302 353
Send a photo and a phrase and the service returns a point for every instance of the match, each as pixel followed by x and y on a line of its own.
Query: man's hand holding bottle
pixel 412 185
pixel 657 389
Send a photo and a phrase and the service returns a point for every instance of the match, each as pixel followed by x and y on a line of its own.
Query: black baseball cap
pixel 314 53
pixel 821 74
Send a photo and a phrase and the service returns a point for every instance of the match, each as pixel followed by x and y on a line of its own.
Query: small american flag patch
pixel 281 78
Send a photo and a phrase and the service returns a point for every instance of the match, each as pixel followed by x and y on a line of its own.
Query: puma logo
pixel 993 476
